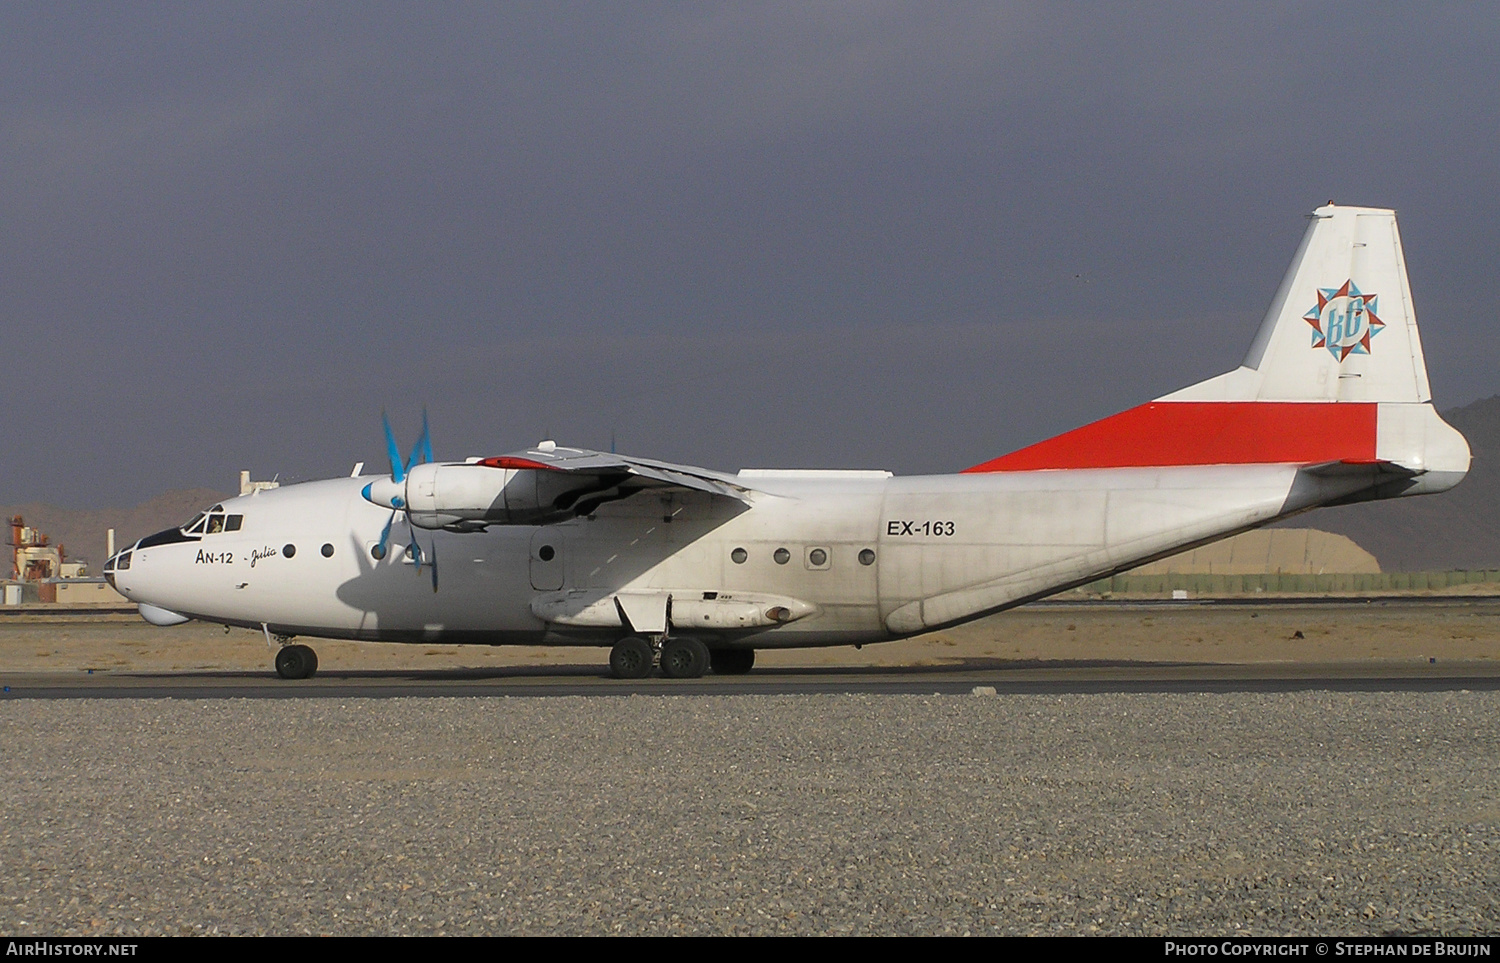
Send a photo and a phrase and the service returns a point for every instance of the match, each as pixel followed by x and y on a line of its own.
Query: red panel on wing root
pixel 1164 433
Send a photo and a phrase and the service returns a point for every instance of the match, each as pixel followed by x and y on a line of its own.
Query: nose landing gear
pixel 296 662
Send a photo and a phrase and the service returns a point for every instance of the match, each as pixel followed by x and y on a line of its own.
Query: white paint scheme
pixel 660 554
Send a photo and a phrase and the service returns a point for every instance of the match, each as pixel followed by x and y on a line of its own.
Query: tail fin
pixel 1335 374
pixel 1341 327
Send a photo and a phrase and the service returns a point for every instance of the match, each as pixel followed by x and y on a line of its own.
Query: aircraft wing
pixel 639 472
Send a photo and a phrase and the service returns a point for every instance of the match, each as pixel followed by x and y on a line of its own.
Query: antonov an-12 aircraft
pixel 693 570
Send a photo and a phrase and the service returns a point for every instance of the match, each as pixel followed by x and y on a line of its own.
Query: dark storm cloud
pixel 878 235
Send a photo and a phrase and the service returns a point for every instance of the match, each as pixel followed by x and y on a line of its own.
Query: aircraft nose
pixel 124 572
pixel 119 562
pixel 385 492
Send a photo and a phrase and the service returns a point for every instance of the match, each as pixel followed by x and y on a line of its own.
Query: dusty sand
pixel 1040 635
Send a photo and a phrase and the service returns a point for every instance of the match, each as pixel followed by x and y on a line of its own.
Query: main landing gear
pixel 682 657
pixel 631 658
pixel 296 662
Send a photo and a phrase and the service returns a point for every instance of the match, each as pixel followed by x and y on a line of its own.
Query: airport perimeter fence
pixel 1331 583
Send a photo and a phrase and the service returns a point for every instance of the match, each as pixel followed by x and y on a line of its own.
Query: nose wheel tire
pixel 684 658
pixel 731 661
pixel 296 662
pixel 631 658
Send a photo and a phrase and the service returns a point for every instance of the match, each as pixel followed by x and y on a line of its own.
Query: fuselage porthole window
pixel 738 556
pixel 782 556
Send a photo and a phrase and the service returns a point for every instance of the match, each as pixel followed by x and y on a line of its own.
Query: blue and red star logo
pixel 1344 320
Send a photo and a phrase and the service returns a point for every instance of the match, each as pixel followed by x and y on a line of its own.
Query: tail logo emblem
pixel 1344 320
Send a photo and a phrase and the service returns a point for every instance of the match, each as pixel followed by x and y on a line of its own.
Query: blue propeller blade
pixel 421 454
pixel 421 451
pixel 398 467
pixel 385 536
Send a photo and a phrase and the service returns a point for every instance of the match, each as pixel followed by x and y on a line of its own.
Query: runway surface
pixel 587 681
pixel 1393 644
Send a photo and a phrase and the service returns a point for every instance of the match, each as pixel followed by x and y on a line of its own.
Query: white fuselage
pixel 838 557
pixel 564 545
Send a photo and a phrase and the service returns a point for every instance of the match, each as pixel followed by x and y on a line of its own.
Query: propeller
pixel 392 494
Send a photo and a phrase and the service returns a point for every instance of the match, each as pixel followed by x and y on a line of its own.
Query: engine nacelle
pixel 468 497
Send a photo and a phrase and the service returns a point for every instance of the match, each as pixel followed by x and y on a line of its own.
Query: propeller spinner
pixel 391 493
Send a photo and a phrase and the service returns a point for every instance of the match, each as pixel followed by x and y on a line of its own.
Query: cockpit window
pixel 223 523
pixel 212 522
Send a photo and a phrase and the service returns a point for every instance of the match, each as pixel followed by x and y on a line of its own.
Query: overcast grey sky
pixel 880 235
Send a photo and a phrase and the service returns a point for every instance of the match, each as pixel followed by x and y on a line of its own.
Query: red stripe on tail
pixel 1164 433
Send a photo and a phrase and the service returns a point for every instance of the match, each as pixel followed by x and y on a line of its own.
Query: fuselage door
pixel 547 558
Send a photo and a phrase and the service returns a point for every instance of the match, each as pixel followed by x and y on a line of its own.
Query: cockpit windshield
pixel 212 522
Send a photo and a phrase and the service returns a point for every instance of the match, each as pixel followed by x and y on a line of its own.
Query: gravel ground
pixel 1301 813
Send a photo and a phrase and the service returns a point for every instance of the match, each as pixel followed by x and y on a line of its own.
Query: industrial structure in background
pixel 35 559
pixel 248 487
pixel 41 572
